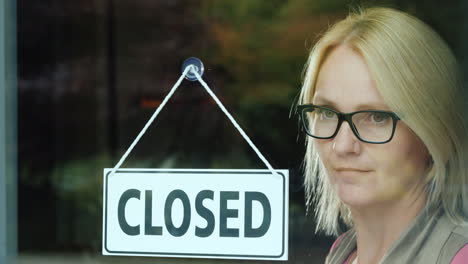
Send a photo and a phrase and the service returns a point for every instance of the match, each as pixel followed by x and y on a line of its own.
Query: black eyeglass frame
pixel 303 109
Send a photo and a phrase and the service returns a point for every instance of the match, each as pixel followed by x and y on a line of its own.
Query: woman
pixel 387 155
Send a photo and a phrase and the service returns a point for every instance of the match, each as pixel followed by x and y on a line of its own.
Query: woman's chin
pixel 354 195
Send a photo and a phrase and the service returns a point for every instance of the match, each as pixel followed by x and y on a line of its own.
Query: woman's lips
pixel 349 172
pixel 340 169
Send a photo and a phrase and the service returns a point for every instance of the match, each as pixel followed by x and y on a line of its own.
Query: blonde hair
pixel 417 75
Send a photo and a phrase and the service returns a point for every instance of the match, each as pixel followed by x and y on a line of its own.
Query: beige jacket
pixel 431 239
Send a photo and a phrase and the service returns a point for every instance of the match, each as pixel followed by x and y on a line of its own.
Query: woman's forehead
pixel 344 81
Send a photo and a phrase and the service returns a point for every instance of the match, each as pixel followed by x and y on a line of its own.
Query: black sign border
pixel 199 255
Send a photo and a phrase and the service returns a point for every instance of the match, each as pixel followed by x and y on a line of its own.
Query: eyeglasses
pixel 370 126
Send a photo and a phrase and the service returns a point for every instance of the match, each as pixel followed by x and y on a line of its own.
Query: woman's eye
pixel 329 114
pixel 379 117
pixel 326 114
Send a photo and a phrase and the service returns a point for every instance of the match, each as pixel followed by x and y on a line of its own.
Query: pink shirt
pixel 460 258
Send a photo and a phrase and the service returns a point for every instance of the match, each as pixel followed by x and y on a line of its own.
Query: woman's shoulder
pixel 455 249
pixel 460 235
pixel 461 230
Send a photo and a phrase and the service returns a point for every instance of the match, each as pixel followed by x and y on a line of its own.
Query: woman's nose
pixel 345 142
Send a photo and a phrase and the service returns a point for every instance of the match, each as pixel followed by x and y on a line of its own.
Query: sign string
pixel 218 102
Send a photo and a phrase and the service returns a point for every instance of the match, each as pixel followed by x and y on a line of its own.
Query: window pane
pixel 91 73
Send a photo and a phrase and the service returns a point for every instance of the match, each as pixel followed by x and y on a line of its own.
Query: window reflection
pixel 90 74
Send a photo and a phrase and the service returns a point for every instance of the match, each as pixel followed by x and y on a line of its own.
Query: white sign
pixel 196 213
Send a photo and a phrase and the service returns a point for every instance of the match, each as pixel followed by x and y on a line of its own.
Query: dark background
pixel 91 73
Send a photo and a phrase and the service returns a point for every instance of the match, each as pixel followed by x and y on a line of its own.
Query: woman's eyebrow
pixel 322 101
pixel 365 106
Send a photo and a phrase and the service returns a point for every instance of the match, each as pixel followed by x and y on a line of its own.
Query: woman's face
pixel 365 174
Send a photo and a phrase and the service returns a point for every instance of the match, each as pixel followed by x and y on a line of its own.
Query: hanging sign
pixel 196 213
pixel 190 213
